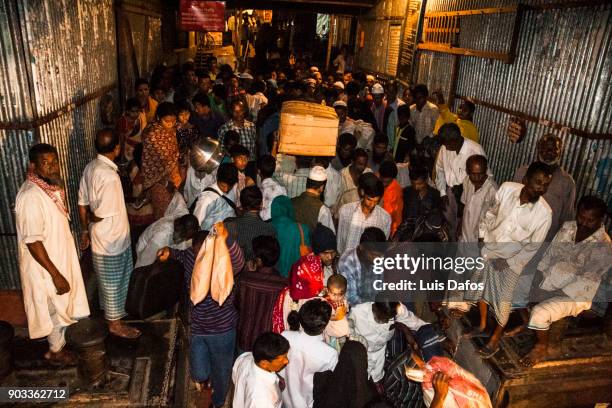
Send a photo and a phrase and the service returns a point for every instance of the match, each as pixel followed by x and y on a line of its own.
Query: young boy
pixel 240 159
pixel 405 140
pixel 256 382
pixel 338 327
pixel 232 138
pixel 392 201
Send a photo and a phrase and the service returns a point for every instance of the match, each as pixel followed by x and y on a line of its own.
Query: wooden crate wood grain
pixel 308 129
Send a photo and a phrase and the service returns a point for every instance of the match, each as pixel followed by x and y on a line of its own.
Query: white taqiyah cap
pixel 377 89
pixel 317 173
pixel 246 75
pixel 340 103
pixel 339 85
pixel 370 77
pixel 314 69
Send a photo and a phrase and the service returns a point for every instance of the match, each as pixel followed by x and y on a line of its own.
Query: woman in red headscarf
pixel 305 282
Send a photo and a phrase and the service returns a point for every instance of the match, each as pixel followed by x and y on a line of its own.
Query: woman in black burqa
pixel 347 386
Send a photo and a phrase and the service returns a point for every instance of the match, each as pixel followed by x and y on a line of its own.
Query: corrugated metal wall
pixel 562 73
pixel 373 56
pixel 54 54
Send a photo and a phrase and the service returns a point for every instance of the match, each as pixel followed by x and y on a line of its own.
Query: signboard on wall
pixel 409 41
pixel 195 15
pixel 393 48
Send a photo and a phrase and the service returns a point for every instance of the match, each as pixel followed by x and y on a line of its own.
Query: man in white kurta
pixel 104 225
pixel 53 290
pixel 175 233
pixel 450 170
pixel 512 232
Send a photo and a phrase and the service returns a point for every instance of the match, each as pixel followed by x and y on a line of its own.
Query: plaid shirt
pixel 352 222
pixel 247 135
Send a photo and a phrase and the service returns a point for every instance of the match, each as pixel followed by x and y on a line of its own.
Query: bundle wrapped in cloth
pixel 307 129
pixel 212 271
pixel 464 390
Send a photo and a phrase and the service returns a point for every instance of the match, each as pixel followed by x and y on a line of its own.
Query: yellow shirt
pixel 467 127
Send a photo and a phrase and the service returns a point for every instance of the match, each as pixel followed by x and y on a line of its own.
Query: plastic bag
pixel 464 391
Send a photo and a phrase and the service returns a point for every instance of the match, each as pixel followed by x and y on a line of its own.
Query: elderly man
pixel 346 124
pixel 104 225
pixel 379 106
pixel 53 291
pixel 570 272
pixel 562 190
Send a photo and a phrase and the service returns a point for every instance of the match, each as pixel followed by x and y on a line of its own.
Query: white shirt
pixel 450 166
pixel 37 218
pixel 325 218
pixel 307 355
pixel 195 185
pixel 101 190
pixel 348 126
pixel 207 213
pixel 270 189
pixel 254 387
pixel 514 231
pixel 157 236
pixel 352 222
pixel 476 203
pixel 332 186
pixel 362 322
pixel 424 120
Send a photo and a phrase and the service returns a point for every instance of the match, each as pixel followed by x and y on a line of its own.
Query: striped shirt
pixel 207 317
pixel 295 183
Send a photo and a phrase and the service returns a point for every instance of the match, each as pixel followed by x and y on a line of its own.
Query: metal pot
pixel 206 155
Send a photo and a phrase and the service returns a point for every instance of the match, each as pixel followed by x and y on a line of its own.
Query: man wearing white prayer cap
pixel 379 106
pixel 346 124
pixel 308 206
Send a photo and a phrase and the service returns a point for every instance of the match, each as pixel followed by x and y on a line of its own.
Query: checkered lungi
pixel 498 290
pixel 113 273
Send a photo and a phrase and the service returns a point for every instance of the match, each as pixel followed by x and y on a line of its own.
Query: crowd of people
pixel 300 231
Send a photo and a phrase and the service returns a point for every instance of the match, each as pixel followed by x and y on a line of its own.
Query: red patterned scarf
pixel 51 191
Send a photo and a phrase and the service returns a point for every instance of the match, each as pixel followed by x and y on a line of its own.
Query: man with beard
pixel 380 151
pixel 345 124
pixel 53 291
pixel 570 272
pixel 562 190
pixel 104 225
pixel 512 231
pixel 170 232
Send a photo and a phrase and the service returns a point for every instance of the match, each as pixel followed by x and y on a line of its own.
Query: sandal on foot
pixel 488 352
pixel 126 332
pixel 61 359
